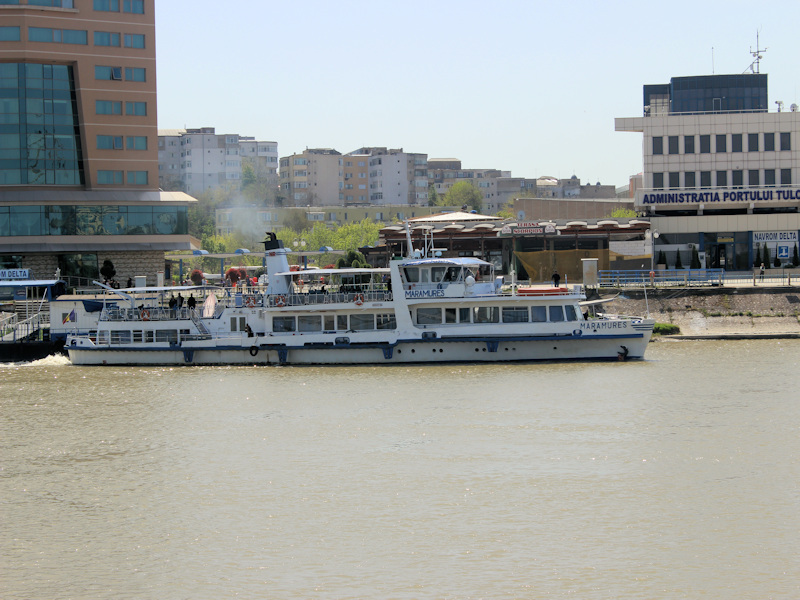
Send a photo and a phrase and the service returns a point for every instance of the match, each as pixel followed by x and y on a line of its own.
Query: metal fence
pixel 661 278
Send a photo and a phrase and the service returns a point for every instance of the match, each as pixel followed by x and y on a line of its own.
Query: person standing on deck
pixel 556 278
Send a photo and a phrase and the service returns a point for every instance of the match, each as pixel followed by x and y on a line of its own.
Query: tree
pixel 796 257
pixel 695 258
pixel 196 276
pixel 433 197
pixel 766 261
pixel 296 221
pixel 463 194
pixel 678 263
pixel 623 213
pixel 777 262
pixel 107 270
pixel 662 258
pixel 758 256
pixel 353 259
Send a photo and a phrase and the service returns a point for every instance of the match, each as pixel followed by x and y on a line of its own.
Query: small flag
pixel 70 317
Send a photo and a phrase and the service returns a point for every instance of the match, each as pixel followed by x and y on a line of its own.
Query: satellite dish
pixel 793 108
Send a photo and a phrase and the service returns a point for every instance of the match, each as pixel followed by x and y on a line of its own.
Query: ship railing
pixel 147 313
pixel 316 298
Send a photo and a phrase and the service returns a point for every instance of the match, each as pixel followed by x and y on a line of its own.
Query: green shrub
pixel 666 329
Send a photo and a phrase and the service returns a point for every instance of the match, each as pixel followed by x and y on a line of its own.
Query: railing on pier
pixel 14 329
pixel 661 278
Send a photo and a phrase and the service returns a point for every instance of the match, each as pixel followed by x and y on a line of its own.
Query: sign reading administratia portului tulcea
pixel 713 196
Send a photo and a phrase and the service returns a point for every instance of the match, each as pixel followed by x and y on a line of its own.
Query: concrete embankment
pixel 718 312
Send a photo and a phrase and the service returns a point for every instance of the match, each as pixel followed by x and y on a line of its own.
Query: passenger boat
pixel 422 309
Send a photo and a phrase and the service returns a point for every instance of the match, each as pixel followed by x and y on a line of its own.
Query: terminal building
pixel 79 141
pixel 721 172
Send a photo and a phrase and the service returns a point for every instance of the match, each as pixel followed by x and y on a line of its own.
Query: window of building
pixel 107 5
pixel 53 3
pixel 737 178
pixel 722 178
pixel 689 180
pixel 133 6
pixel 109 142
pixel 107 107
pixel 136 109
pixel 786 141
pixel 753 179
pixel 136 142
pixel 752 142
pixel 58 36
pixel 9 34
pixel 705 179
pixel 135 74
pixel 786 177
pixel 672 142
pixel 658 145
pixel 658 181
pixel 705 144
pixel 102 72
pixel 721 143
pixel 106 38
pixel 769 142
pixel 137 177
pixel 769 177
pixel 134 40
pixel 109 177
pixel 674 180
pixel 688 144
pixel 736 142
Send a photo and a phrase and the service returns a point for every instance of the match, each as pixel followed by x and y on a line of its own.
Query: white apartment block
pixel 313 178
pixel 201 159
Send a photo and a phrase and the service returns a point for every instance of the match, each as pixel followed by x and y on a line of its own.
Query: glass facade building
pixel 708 93
pixel 40 141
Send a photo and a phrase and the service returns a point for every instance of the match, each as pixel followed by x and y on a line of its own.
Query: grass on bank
pixel 666 329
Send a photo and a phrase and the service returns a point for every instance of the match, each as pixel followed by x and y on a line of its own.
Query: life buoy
pixel 253 350
pixel 144 314
pixel 280 301
pixel 359 299
pixel 250 301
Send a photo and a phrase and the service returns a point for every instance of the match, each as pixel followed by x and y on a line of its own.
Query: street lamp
pixel 652 236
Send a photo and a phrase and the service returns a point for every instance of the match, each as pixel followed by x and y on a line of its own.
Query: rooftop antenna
pixel 755 66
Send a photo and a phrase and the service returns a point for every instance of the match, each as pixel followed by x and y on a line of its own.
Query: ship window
pixel 450 315
pixel 538 314
pixel 386 321
pixel 309 323
pixel 437 274
pixel 148 336
pixel 341 322
pixel 330 322
pixel 463 315
pixel 167 335
pixel 486 314
pixel 412 274
pixel 362 322
pixel 515 314
pixel 283 324
pixel 556 313
pixel 102 337
pixel 572 314
pixel 429 316
pixel 137 336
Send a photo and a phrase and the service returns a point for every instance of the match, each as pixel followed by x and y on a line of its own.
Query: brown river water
pixel 673 477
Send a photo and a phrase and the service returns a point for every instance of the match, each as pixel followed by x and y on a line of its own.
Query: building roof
pixel 452 217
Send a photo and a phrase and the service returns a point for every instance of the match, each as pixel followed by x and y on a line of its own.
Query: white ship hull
pixel 434 310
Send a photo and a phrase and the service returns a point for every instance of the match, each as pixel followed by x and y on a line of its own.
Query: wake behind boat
pixel 421 309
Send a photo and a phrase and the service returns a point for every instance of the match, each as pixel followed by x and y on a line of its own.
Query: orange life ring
pixel 144 314
pixel 280 301
pixel 359 299
pixel 250 301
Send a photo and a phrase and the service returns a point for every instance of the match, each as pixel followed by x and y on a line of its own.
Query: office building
pixel 721 173
pixel 78 141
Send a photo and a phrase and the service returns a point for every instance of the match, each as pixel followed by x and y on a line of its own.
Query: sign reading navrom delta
pixel 14 273
pixel 728 195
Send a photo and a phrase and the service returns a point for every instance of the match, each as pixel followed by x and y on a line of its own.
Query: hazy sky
pixel 531 87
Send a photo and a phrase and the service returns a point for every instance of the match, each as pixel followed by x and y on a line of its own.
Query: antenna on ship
pixel 755 66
